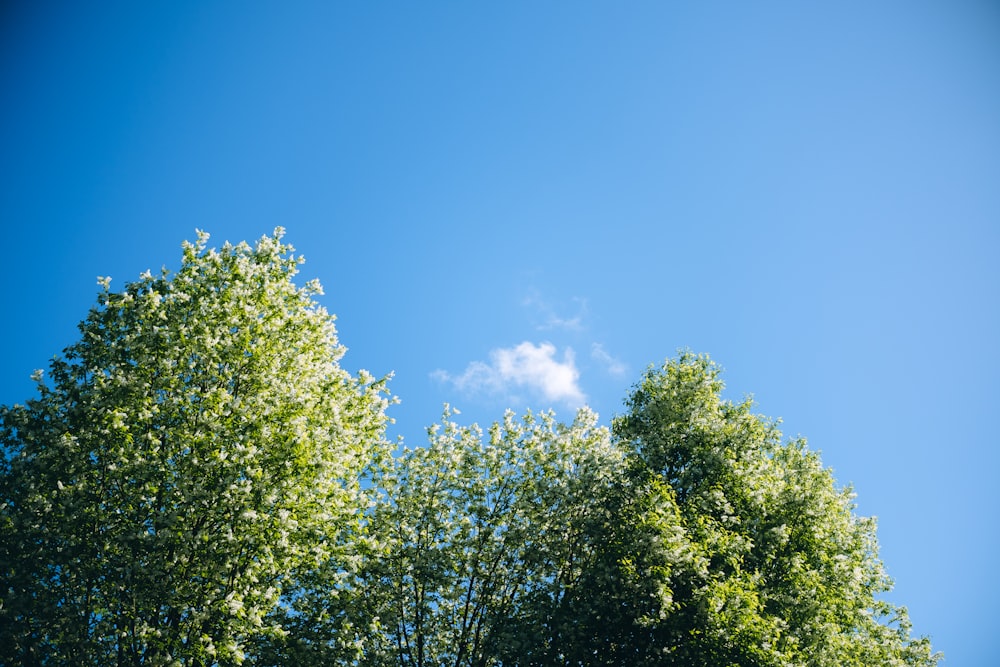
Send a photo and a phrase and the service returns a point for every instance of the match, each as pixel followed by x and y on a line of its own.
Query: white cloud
pixel 613 365
pixel 528 366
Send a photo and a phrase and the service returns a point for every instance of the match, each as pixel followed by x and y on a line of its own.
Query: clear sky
pixel 526 203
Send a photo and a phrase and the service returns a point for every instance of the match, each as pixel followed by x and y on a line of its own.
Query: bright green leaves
pixel 200 483
pixel 474 530
pixel 198 447
pixel 793 575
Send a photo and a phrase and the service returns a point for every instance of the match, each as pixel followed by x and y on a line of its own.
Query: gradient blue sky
pixel 525 204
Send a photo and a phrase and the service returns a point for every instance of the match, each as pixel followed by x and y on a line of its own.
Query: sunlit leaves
pixel 793 575
pixel 198 482
pixel 196 449
pixel 475 529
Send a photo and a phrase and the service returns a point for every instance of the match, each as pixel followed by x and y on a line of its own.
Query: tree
pixel 786 573
pixel 476 533
pixel 694 536
pixel 196 454
pixel 628 549
pixel 200 483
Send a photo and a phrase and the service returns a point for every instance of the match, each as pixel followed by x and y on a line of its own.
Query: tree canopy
pixel 785 572
pixel 199 482
pixel 196 449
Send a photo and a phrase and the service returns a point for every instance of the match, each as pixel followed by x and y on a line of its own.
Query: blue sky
pixel 525 204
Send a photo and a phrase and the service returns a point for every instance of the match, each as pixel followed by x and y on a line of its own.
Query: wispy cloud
pixel 611 364
pixel 525 366
pixel 550 318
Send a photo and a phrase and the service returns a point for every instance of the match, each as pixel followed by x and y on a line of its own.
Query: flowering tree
pixel 476 530
pixel 195 453
pixel 785 572
pixel 200 483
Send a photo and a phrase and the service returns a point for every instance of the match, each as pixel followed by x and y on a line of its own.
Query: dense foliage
pixel 785 572
pixel 200 483
pixel 194 451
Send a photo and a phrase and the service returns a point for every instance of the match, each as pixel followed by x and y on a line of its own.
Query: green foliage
pixel 195 450
pixel 629 545
pixel 789 574
pixel 200 483
pixel 474 532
